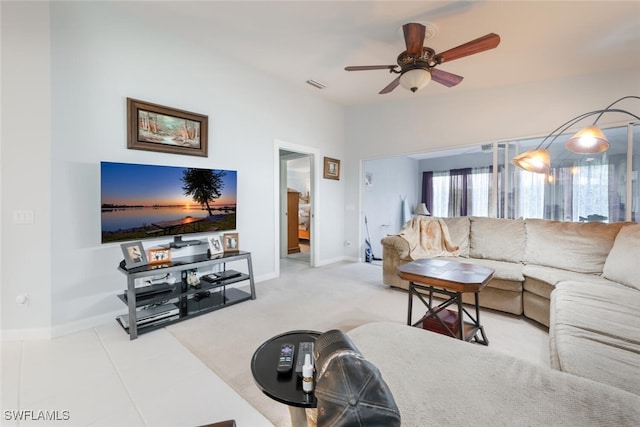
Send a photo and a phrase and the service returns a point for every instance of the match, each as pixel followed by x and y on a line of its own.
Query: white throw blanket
pixel 428 238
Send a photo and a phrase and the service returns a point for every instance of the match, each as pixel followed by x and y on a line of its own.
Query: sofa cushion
pixel 503 270
pixel 580 247
pixel 459 231
pixel 594 333
pixel 623 263
pixel 497 238
pixel 541 280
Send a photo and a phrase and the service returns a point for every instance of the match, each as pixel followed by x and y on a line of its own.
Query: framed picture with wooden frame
pixel 134 254
pixel 159 256
pixel 230 241
pixel 154 127
pixel 331 168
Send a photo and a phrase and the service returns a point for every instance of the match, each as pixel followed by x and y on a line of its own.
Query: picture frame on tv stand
pixel 134 254
pixel 231 242
pixel 159 256
pixel 215 245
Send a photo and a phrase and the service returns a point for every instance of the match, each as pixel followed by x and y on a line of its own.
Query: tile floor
pixel 98 377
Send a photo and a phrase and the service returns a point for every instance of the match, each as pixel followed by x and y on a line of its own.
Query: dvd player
pixel 152 314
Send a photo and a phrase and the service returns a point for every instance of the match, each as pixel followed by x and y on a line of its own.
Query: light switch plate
pixel 23 217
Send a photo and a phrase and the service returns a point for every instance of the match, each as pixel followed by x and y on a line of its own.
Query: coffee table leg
pixel 410 307
pixel 461 316
pixel 484 341
pixel 298 416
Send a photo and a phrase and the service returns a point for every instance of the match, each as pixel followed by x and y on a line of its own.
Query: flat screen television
pixel 149 201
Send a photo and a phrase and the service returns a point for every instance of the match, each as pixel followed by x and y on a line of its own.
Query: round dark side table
pixel 284 388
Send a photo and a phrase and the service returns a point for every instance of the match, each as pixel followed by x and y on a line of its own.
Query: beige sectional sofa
pixel 437 380
pixel 582 280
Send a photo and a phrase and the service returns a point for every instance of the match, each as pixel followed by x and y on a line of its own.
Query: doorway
pixel 297 194
pixel 297 215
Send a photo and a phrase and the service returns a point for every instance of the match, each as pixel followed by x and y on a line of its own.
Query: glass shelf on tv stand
pixel 192 301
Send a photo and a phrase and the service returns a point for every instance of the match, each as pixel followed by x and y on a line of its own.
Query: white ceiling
pixel 300 40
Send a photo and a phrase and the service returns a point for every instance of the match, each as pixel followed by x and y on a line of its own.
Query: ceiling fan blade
pixel 369 67
pixel 391 86
pixel 478 45
pixel 414 38
pixel 445 78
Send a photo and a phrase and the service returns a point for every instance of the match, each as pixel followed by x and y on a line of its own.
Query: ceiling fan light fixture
pixel 415 79
pixel 590 140
pixel 538 161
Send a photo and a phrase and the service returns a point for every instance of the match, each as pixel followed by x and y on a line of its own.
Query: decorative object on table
pixel 421 209
pixel 154 127
pixel 231 242
pixel 590 140
pixel 331 168
pixel 159 256
pixel 191 277
pixel 134 254
pixel 215 245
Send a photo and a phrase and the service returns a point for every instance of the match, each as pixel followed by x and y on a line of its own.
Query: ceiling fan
pixel 418 63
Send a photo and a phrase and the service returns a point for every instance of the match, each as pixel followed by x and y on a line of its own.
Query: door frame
pixel 280 188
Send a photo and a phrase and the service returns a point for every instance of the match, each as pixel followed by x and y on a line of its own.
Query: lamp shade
pixel 538 161
pixel 421 209
pixel 590 140
pixel 415 79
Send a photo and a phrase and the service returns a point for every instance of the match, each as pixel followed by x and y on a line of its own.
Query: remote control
pixel 304 348
pixel 285 359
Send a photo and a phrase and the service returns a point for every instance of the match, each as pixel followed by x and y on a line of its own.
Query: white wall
pixel 392 179
pixel 99 56
pixel 459 119
pixel 26 167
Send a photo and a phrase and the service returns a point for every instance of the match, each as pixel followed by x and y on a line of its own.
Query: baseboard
pixel 25 334
pixel 336 259
pixel 84 324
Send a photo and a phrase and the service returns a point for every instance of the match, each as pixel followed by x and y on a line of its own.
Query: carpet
pixel 338 296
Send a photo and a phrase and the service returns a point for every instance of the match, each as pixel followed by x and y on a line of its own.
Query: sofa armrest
pixel 397 244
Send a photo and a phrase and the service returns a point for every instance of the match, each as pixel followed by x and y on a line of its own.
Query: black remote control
pixel 285 359
pixel 305 347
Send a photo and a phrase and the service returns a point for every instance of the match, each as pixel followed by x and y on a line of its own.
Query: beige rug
pixel 338 296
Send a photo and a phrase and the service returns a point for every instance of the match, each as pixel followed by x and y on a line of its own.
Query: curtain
pixel 427 190
pixel 459 192
pixel 530 186
pixel 440 194
pixel 591 192
pixel 480 189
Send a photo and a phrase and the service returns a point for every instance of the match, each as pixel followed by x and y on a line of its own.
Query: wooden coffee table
pixel 450 279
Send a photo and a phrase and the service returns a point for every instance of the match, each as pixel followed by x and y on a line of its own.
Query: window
pixel 578 188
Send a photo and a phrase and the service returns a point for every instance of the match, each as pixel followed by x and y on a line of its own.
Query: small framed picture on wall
pixel 331 168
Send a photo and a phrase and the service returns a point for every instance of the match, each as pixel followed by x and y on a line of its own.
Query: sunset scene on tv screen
pixel 146 201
